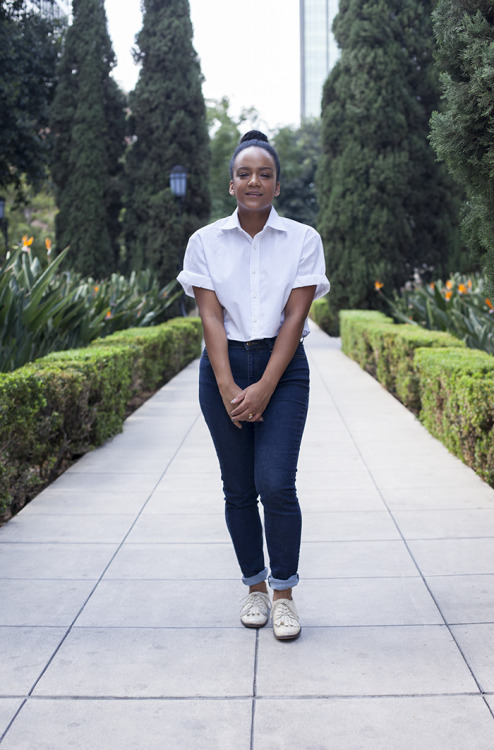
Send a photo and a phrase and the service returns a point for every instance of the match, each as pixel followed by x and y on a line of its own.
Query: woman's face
pixel 254 182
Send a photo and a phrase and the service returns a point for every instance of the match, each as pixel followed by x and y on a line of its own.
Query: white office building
pixel 53 8
pixel 318 52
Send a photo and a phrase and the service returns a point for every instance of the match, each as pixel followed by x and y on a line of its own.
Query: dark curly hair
pixel 256 138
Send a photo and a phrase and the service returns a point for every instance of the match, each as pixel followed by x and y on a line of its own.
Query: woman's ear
pixel 231 189
pixel 277 190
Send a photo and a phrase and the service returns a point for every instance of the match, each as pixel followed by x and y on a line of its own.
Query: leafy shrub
pixel 61 406
pixel 321 313
pixel 386 350
pixel 450 387
pixel 104 378
pixel 159 351
pixel 355 328
pixel 457 389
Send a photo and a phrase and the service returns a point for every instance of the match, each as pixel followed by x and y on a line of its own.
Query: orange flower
pixel 432 286
pixel 26 243
pixel 469 283
pixel 378 285
pixel 108 315
pixel 489 304
pixel 448 295
pixel 449 285
pixel 96 289
pixel 462 289
pixel 48 245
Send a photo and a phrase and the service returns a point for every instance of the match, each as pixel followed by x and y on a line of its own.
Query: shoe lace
pixel 255 604
pixel 284 615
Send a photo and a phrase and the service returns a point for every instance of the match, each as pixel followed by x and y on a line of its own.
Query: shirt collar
pixel 274 221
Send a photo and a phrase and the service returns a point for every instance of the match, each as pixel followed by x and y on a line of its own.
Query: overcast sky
pixel 249 51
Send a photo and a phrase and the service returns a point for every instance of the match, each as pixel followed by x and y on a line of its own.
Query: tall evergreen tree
pixel 29 48
pixel 169 128
pixel 88 127
pixel 299 150
pixel 225 135
pixel 225 131
pixel 386 211
pixel 463 134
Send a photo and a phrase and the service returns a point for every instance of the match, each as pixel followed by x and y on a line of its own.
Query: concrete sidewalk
pixel 119 591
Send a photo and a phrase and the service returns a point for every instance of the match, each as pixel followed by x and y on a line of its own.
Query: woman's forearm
pixel 216 342
pixel 217 349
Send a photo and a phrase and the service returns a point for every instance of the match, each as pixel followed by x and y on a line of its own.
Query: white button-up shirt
pixel 253 277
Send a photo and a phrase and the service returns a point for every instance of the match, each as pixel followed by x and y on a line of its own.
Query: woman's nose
pixel 253 180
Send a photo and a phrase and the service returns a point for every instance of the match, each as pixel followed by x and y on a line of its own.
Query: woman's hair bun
pixel 254 135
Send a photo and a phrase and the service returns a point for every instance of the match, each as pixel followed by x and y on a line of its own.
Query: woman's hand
pixel 250 403
pixel 230 397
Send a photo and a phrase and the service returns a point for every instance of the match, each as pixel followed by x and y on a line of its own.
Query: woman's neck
pixel 253 222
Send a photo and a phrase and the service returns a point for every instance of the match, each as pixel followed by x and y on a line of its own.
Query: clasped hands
pixel 249 405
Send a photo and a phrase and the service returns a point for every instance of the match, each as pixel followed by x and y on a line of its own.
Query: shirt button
pixel 254 296
pixel 255 320
pixel 253 273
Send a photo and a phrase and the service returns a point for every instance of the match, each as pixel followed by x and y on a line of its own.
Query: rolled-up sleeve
pixel 195 271
pixel 312 267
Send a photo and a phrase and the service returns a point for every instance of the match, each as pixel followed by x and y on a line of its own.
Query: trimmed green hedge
pixel 449 386
pixel 387 350
pixel 321 313
pixel 457 390
pixel 56 409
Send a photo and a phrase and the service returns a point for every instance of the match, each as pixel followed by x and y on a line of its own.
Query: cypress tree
pixel 386 211
pixel 223 143
pixel 29 49
pixel 169 128
pixel 463 133
pixel 299 150
pixel 88 127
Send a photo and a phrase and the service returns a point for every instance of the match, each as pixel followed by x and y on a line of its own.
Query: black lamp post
pixel 4 224
pixel 178 186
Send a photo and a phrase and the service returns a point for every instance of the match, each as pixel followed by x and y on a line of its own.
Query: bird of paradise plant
pixel 458 305
pixel 45 309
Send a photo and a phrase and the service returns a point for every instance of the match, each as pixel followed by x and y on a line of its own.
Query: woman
pixel 254 276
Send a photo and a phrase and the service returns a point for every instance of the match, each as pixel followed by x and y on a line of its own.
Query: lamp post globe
pixel 178 186
pixel 178 181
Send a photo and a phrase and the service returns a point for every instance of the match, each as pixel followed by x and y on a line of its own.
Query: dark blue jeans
pixel 260 462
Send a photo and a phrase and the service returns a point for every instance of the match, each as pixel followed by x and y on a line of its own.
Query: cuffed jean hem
pixel 258 578
pixel 278 585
